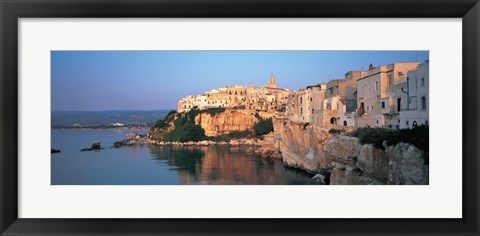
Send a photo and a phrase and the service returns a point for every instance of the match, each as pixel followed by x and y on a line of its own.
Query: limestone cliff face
pixel 302 146
pixel 396 165
pixel 225 122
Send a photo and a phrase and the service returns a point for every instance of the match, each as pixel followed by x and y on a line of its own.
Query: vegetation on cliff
pixel 417 136
pixel 263 126
pixel 185 128
pixel 213 111
pixel 165 121
pixel 232 135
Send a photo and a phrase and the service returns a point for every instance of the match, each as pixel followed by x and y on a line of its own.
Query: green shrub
pixel 417 136
pixel 213 111
pixel 186 132
pixel 263 126
pixel 165 121
pixel 185 128
pixel 334 131
pixel 232 135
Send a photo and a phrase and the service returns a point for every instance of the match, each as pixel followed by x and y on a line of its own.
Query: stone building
pixel 417 93
pixel 265 98
pixel 378 98
pixel 305 105
pixel 341 101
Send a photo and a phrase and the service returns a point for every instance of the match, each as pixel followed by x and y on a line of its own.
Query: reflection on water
pixel 225 165
pixel 161 165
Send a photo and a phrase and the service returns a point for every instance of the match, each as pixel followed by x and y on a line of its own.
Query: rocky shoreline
pixel 335 159
pixel 264 148
pixel 343 160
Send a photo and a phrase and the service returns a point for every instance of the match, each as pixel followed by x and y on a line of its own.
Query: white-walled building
pixel 379 98
pixel 417 106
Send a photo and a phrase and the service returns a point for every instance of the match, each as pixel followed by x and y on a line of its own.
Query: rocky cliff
pixel 226 122
pixel 343 160
pixel 302 145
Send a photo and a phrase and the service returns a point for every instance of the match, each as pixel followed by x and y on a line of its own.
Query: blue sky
pixel 150 80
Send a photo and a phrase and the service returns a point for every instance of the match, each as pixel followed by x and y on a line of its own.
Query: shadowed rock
pixel 55 150
pixel 95 146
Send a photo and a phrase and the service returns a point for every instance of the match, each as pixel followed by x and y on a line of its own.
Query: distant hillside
pixel 101 118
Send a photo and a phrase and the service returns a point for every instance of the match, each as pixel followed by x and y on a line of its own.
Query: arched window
pixel 424 103
pixel 333 120
pixel 414 124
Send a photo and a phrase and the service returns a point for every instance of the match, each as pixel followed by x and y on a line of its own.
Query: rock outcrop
pixel 302 146
pixel 226 122
pixel 94 147
pixel 374 161
pixel 55 150
pixel 346 160
pixel 343 148
pixel 406 165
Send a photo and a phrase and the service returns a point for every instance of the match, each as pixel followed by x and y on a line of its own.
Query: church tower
pixel 272 83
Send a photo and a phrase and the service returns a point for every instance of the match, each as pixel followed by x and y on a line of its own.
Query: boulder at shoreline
pixel 95 146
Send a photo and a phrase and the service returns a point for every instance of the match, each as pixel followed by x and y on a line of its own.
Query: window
pixel 313 110
pixel 423 82
pixel 311 99
pixel 344 123
pixel 333 120
pixel 301 99
pixel 376 85
pixel 424 103
pixel 383 104
pixel 301 110
pixel 330 90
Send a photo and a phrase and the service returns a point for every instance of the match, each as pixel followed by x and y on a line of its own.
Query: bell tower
pixel 272 83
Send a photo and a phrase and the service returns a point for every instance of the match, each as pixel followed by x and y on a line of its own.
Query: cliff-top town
pixel 389 96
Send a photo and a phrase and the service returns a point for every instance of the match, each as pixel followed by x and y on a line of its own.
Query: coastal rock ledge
pixel 346 160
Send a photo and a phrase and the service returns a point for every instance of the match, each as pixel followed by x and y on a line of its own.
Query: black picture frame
pixel 11 11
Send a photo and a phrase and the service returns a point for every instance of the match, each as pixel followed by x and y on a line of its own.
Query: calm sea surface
pixel 159 165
